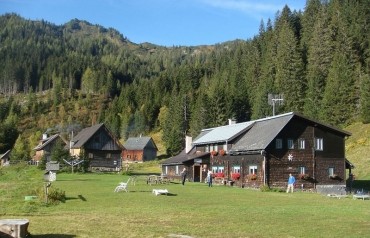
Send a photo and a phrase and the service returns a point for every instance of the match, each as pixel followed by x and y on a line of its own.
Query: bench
pixel 361 196
pixel 160 191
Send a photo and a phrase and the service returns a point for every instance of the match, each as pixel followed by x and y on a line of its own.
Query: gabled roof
pixel 139 143
pixel 222 133
pixel 46 141
pixel 262 133
pixel 265 130
pixel 84 135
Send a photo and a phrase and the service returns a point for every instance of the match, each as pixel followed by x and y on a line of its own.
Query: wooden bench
pixel 160 191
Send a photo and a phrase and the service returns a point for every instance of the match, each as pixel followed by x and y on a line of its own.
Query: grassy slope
pixel 358 149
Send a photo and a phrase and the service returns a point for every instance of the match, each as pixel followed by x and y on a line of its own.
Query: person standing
pixel 183 176
pixel 291 182
pixel 209 178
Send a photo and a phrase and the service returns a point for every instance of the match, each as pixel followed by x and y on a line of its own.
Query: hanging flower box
pixel 222 152
pixel 303 176
pixel 213 153
pixel 235 176
pixel 219 175
pixel 333 176
pixel 252 176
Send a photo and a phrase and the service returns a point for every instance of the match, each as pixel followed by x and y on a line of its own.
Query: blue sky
pixel 162 22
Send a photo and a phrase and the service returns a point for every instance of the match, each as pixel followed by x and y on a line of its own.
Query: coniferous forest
pixel 62 78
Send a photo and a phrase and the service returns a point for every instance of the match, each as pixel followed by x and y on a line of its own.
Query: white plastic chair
pixel 122 186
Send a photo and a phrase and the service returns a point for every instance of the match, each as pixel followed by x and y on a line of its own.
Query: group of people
pixel 291 180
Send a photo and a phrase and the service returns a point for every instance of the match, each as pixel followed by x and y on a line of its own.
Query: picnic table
pixel 157 179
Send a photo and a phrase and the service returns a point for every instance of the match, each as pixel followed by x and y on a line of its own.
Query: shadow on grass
pixel 52 236
pixel 82 198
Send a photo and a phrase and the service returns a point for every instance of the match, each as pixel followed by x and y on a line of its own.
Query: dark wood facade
pixel 272 148
pixel 100 147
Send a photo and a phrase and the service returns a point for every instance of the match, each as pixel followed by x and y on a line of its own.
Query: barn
pixel 139 149
pixel 99 146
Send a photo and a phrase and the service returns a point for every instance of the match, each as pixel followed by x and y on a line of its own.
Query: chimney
pixel 188 142
pixel 232 121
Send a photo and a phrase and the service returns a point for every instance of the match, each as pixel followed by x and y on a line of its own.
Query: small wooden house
pixel 139 149
pixel 45 146
pixel 99 146
pixel 264 152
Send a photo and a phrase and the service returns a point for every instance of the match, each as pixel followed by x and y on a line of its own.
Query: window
pixel 279 143
pixel 166 170
pixel 331 171
pixel 301 144
pixel 236 169
pixel 91 156
pixel 253 169
pixel 218 169
pixel 207 148
pixel 108 156
pixel 319 144
pixel 225 147
pixel 302 170
pixel 290 144
pixel 177 170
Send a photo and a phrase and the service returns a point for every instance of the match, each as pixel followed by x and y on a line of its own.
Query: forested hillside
pixel 73 75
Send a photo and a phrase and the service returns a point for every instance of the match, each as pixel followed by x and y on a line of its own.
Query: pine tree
pixel 289 70
pixel 320 54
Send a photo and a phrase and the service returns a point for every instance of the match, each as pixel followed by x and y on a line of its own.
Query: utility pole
pixel 273 104
pixel 274 99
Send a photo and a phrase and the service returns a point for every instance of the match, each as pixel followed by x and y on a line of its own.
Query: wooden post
pixel 16 228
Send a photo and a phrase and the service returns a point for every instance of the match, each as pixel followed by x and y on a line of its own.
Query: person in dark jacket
pixel 183 176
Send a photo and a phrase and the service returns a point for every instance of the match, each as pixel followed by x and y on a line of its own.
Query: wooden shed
pixel 139 149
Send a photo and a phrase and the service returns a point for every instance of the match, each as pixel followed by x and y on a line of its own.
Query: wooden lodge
pixel 264 152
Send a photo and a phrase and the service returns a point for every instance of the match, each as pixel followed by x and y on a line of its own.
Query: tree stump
pixel 16 228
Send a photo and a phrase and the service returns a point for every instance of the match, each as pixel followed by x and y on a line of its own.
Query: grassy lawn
pixel 92 209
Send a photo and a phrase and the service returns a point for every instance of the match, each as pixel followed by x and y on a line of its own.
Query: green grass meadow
pixel 93 209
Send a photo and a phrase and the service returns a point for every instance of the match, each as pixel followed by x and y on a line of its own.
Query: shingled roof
pixel 183 157
pixel 46 141
pixel 139 143
pixel 84 135
pixel 265 130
